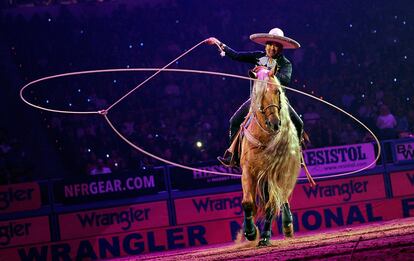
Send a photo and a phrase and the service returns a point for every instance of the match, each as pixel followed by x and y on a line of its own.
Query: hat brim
pixel 286 42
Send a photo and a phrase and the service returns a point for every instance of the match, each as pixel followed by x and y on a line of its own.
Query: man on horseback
pixel 275 61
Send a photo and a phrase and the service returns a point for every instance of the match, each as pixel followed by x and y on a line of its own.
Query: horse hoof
pixel 250 235
pixel 264 242
pixel 288 230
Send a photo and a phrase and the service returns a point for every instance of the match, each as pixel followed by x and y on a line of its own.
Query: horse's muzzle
pixel 273 124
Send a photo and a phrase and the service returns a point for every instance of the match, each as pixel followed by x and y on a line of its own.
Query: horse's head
pixel 267 97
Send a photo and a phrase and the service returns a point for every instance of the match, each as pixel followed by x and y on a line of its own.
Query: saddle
pixel 235 147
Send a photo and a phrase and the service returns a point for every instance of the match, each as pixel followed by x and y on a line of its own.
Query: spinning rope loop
pixel 104 112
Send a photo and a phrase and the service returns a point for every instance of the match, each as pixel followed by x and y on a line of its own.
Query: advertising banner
pixel 402 183
pixel 182 179
pixel 339 159
pixel 320 162
pixel 404 152
pixel 20 197
pixel 133 243
pixel 325 193
pixel 113 220
pixel 338 191
pixel 129 243
pixel 24 231
pixel 209 207
pixel 107 187
pixel 346 215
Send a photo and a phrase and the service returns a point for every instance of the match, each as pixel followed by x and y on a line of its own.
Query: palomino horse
pixel 270 158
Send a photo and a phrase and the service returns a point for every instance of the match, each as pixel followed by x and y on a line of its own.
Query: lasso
pixel 104 112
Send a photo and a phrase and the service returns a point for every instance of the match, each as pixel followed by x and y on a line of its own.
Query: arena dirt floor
pixel 391 240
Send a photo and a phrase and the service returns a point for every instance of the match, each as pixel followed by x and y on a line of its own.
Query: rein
pixel 258 123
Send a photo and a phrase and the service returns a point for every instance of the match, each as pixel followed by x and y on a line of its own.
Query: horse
pixel 270 158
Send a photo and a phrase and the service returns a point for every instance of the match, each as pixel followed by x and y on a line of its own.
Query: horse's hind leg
pixel 249 227
pixel 287 220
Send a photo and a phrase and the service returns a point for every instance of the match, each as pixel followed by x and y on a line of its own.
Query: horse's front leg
pixel 287 220
pixel 267 226
pixel 248 186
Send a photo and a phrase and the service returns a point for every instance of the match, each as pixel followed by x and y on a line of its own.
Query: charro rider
pixel 272 58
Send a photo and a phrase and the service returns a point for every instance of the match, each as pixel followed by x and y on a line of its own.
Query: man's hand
pixel 220 45
pixel 212 40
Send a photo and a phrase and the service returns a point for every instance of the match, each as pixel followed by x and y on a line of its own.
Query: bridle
pixel 263 111
pixel 266 128
pixel 255 74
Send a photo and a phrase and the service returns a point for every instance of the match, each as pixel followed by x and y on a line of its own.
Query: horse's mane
pixel 279 166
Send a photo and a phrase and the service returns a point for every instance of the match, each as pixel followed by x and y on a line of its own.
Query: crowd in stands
pixel 357 56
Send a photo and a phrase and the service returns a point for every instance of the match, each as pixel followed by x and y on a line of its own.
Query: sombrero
pixel 275 35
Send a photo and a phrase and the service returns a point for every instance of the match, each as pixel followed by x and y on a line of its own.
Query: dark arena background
pixel 71 189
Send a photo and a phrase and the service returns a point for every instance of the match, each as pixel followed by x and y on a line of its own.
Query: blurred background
pixel 355 54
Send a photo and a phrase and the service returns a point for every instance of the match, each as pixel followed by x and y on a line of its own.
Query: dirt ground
pixel 391 240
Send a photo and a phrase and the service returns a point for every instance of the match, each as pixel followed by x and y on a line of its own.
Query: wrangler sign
pixel 112 220
pixel 210 207
pixel 339 191
pixel 125 244
pixel 19 197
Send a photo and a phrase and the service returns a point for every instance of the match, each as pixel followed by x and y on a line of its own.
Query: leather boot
pixel 226 159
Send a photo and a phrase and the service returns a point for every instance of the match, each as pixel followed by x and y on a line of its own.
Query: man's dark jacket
pixel 259 58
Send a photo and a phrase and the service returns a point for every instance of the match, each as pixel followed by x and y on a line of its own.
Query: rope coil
pixel 104 112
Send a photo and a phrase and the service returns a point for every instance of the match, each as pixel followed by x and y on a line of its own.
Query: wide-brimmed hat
pixel 275 35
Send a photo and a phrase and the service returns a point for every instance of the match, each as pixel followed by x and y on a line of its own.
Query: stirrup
pixel 227 159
